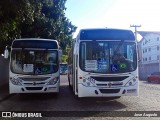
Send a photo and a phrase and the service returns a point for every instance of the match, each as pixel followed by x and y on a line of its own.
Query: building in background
pixel 149 53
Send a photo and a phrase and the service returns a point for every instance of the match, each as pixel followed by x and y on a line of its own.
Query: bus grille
pixel 105 79
pixel 113 84
pixel 34 79
pixel 109 91
pixel 41 83
pixel 34 88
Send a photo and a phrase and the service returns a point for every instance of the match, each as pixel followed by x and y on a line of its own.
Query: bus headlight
pixel 16 81
pixel 53 81
pixel 88 82
pixel 131 82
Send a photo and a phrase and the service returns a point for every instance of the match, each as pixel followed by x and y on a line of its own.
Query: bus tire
pixel 56 94
pixel 112 98
pixel 69 82
pixel 117 97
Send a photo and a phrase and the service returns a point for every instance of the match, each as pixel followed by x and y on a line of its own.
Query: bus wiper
pixel 119 46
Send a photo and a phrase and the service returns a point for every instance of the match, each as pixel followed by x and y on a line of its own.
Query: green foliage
pixel 35 18
pixel 64 58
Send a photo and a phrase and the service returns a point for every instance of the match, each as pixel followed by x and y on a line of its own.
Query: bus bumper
pixel 84 91
pixel 34 89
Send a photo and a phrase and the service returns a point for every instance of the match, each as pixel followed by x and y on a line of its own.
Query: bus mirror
pixel 60 52
pixel 6 53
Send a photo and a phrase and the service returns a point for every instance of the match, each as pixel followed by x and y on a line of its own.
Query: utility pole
pixel 135 26
pixel 138 47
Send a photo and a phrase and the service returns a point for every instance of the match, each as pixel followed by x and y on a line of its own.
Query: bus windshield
pixel 108 56
pixel 34 61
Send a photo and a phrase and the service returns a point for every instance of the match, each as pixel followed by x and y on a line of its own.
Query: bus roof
pixel 35 39
pixel 105 34
pixel 35 43
pixel 102 29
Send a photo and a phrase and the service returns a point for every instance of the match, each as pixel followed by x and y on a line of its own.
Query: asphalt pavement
pixel 4 92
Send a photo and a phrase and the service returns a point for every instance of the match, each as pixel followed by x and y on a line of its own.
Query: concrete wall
pixel 4 72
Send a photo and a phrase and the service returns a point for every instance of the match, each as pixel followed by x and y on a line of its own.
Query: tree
pixel 35 18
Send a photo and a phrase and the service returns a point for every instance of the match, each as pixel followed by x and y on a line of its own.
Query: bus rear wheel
pixel 69 82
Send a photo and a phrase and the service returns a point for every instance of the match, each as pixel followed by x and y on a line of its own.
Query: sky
pixel 114 14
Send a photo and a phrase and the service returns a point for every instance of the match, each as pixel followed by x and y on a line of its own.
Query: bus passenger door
pixel 74 69
pixel 75 74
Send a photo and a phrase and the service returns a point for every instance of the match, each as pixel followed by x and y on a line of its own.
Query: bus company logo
pixel 6 114
pixel 109 84
pixel 20 114
pixel 34 83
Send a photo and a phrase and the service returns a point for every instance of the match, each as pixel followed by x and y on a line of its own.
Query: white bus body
pixel 103 63
pixel 34 66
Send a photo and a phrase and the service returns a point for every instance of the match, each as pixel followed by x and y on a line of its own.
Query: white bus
pixel 34 66
pixel 103 63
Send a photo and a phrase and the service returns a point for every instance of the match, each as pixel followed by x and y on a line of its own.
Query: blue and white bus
pixel 103 63
pixel 34 66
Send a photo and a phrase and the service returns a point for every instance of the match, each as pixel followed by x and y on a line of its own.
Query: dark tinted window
pixel 35 44
pixel 106 34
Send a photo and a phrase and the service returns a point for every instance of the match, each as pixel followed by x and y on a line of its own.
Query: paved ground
pixel 4 92
pixel 148 100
